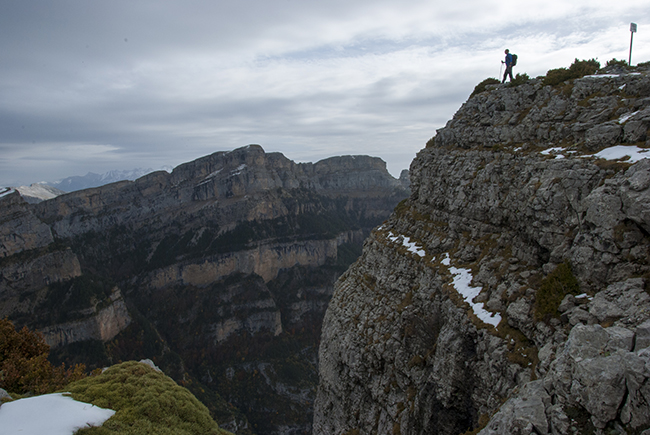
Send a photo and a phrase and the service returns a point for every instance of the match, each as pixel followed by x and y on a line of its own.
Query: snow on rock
pixel 406 242
pixel 612 153
pixel 51 414
pixel 627 116
pixel 552 151
pixel 39 191
pixel 620 151
pixel 4 191
pixel 462 283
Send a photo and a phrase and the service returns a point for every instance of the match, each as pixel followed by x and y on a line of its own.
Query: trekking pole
pixel 500 69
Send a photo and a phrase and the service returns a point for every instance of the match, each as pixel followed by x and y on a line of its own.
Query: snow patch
pixel 627 116
pixel 41 191
pixel 411 246
pixel 238 170
pixel 209 177
pixel 620 151
pixel 553 151
pixel 603 76
pixel 6 191
pixel 52 414
pixel 612 153
pixel 461 282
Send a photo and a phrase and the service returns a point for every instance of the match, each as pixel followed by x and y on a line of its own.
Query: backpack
pixel 514 59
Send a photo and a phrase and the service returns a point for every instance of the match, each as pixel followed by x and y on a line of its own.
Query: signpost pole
pixel 632 32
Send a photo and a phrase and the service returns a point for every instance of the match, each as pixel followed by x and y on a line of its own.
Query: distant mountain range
pixel 37 192
pixel 91 179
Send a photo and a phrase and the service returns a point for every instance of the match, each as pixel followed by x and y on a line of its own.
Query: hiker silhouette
pixel 509 64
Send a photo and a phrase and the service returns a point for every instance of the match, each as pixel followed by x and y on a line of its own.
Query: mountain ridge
pixel 219 271
pixel 554 242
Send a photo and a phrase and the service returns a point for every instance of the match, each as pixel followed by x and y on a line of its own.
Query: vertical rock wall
pixel 446 324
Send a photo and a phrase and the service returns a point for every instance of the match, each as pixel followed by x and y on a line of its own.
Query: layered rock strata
pixel 508 294
pixel 228 260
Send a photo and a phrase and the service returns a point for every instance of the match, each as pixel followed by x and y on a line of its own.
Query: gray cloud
pixel 94 86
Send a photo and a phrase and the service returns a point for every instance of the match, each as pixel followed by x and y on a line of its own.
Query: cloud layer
pixel 95 86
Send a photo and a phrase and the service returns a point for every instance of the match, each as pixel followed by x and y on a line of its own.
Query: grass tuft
pixel 146 402
pixel 553 289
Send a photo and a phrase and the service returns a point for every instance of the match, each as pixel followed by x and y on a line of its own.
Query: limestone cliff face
pixel 266 261
pixel 20 230
pixel 227 187
pixel 99 324
pixel 229 259
pixel 447 323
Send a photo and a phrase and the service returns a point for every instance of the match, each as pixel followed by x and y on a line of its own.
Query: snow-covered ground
pixel 612 153
pixel 461 282
pixel 50 414
pixel 406 242
pixel 618 152
pixel 4 191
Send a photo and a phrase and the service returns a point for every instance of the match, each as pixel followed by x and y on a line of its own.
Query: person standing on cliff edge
pixel 508 63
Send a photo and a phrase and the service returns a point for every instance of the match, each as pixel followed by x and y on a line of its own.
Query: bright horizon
pixel 98 86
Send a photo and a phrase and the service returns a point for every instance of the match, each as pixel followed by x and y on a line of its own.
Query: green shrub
pixel 481 86
pixel 553 288
pixel 146 402
pixel 579 68
pixel 519 79
pixel 615 62
pixel 24 367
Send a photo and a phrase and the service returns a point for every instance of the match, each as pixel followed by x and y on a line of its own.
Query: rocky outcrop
pixel 23 284
pixel 266 261
pixel 246 184
pixel 595 112
pixel 20 229
pixel 465 310
pixel 101 324
pixel 226 260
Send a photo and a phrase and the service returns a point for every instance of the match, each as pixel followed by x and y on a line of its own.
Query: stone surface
pixel 222 272
pixel 505 192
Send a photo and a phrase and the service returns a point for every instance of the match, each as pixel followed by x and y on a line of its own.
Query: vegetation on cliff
pixel 519 191
pixel 24 364
pixel 146 402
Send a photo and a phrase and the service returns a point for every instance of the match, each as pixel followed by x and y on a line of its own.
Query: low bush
pixel 615 62
pixel 553 288
pixel 24 367
pixel 481 87
pixel 579 68
pixel 519 79
pixel 146 402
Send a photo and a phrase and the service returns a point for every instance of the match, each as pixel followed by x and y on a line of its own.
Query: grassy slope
pixel 145 401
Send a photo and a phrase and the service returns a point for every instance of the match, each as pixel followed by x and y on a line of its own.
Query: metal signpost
pixel 632 32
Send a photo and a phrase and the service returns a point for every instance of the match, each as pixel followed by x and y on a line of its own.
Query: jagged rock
pixel 519 313
pixel 4 395
pixel 102 324
pixel 229 256
pixel 489 218
pixel 642 336
pixel 518 414
pixel 567 303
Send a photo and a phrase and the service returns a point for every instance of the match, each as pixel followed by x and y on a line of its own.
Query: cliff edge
pixel 509 292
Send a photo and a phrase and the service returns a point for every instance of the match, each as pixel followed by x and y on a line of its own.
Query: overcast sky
pixel 101 85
